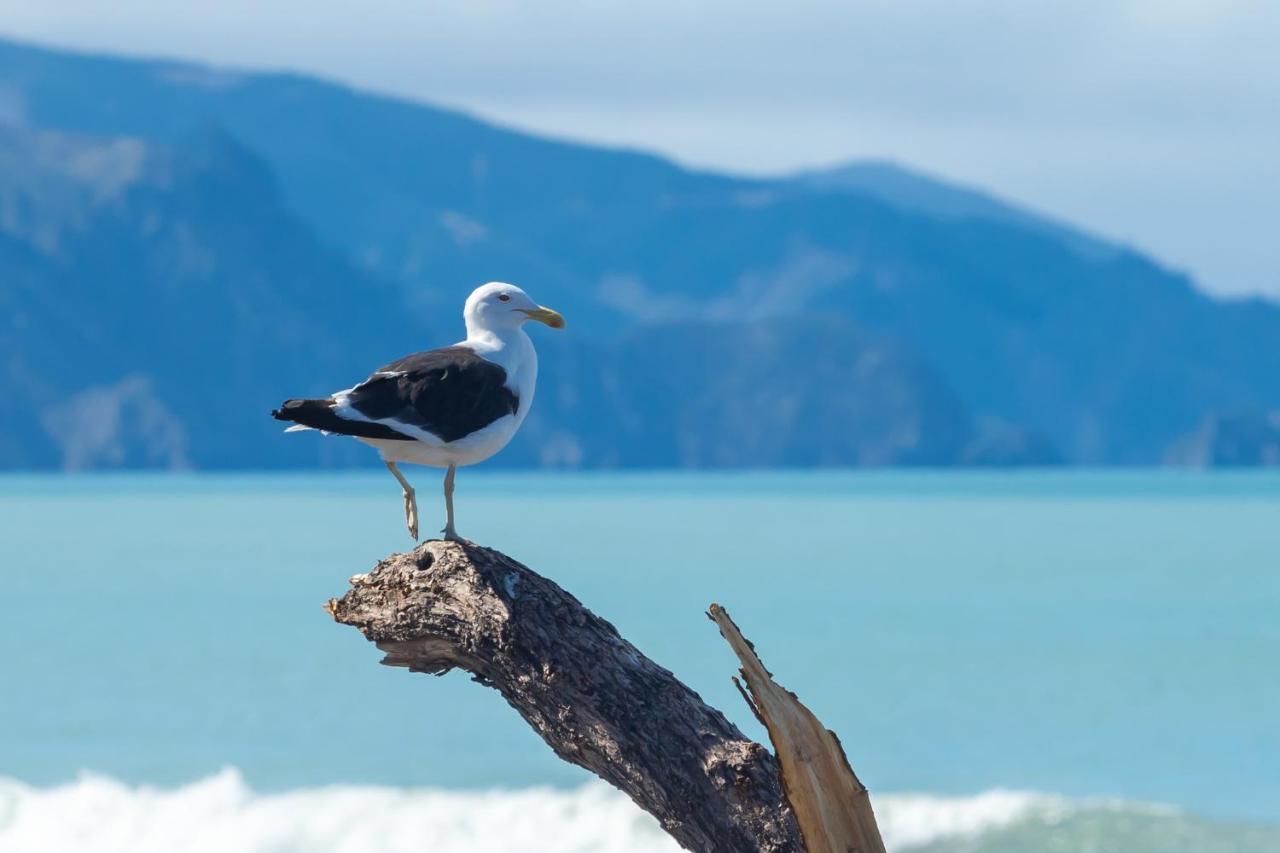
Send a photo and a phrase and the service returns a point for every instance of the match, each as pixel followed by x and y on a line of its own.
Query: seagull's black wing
pixel 450 393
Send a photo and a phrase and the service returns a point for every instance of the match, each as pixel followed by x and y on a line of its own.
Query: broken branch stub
pixel 831 805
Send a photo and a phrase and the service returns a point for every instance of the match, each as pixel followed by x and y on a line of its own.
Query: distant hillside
pixel 155 297
pixel 160 301
pixel 915 192
pixel 908 321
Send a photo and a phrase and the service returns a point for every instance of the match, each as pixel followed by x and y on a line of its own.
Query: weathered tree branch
pixel 831 805
pixel 591 695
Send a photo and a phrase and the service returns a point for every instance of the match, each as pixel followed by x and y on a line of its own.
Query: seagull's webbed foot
pixel 451 535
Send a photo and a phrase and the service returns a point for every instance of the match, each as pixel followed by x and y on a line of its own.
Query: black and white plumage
pixel 445 407
pixel 447 393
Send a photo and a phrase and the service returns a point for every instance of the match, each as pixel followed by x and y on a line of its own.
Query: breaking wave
pixel 221 814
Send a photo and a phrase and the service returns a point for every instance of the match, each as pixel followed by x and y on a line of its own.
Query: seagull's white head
pixel 497 306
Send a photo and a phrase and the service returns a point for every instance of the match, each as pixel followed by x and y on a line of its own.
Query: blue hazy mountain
pixel 888 318
pixel 913 191
pixel 152 294
pixel 161 299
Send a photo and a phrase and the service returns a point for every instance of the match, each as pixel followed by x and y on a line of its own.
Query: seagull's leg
pixel 410 501
pixel 449 532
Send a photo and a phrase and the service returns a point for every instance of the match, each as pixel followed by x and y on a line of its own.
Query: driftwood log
pixel 591 695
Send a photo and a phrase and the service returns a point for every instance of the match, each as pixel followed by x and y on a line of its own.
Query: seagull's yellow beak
pixel 544 314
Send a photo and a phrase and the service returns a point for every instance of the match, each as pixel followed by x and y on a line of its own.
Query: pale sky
pixel 1151 122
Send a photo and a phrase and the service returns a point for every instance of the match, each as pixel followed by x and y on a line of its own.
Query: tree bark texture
pixel 590 694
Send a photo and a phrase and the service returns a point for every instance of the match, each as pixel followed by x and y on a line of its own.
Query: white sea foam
pixel 911 820
pixel 221 814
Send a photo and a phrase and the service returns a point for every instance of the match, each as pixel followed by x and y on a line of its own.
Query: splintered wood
pixel 830 804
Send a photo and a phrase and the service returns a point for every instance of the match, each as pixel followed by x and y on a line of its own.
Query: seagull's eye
pixel 502 297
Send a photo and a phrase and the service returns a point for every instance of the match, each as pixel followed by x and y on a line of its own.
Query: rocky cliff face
pixel 1244 439
pixel 155 297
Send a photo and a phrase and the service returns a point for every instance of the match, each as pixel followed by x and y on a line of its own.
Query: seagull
pixel 446 407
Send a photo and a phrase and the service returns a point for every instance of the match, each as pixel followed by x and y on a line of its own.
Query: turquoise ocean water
pixel 1014 661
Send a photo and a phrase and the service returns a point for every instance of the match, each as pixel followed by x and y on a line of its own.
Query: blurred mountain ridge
pixel 181 247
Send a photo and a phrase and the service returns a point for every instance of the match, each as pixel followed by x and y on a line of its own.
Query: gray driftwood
pixel 591 695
